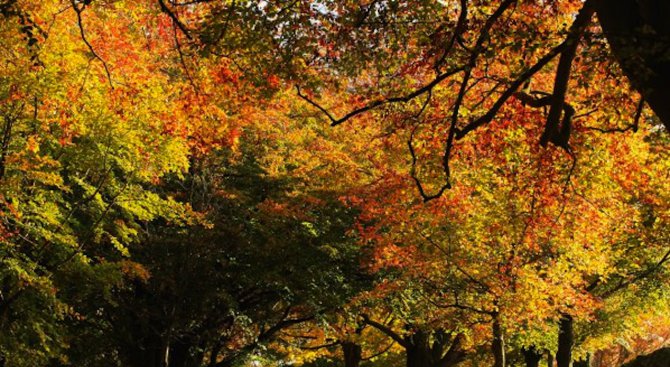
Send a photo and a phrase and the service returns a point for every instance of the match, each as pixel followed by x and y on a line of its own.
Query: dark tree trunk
pixel 638 32
pixel 658 358
pixel 180 354
pixel 550 360
pixel 432 348
pixel 565 342
pixel 498 345
pixel 441 351
pixel 7 136
pixel 419 353
pixel 149 352
pixel 417 357
pixel 353 354
pixel 531 356
pixel 586 362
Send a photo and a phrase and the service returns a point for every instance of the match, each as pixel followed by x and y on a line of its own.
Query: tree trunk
pixel 7 136
pixel 565 342
pixel 418 357
pixel 639 35
pixel 180 354
pixel 419 353
pixel 353 354
pixel 498 344
pixel 149 352
pixel 441 351
pixel 531 356
pixel 586 362
pixel 550 360
pixel 658 358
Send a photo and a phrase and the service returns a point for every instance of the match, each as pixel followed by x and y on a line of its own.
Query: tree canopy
pixel 189 183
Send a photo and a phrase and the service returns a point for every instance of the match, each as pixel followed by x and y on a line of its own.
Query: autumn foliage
pixel 327 183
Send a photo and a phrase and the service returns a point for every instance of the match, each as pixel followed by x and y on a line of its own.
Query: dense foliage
pixel 324 183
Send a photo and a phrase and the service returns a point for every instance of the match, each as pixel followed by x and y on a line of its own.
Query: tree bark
pixel 147 352
pixel 565 341
pixel 4 148
pixel 498 344
pixel 550 360
pixel 639 35
pixel 586 362
pixel 658 358
pixel 531 356
pixel 444 350
pixel 353 354
pixel 418 350
pixel 180 354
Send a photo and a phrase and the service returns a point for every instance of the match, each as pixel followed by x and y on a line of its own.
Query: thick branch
pixel 562 78
pixel 386 330
pixel 575 33
pixel 264 336
pixel 509 92
pixel 455 354
pixel 562 135
pixel 461 27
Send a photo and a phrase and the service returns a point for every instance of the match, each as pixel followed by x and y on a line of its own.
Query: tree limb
pixel 78 11
pixel 372 105
pixel 583 19
pixel 386 330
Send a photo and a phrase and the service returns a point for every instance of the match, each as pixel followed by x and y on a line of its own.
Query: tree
pixel 151 151
pixel 464 45
pixel 638 38
pixel 75 167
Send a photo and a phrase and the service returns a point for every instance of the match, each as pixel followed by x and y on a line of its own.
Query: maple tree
pixel 494 189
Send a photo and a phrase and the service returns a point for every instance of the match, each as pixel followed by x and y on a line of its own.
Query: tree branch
pixel 78 11
pixel 458 32
pixel 372 105
pixel 412 172
pixel 634 126
pixel 165 9
pixel 386 330
pixel 583 19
